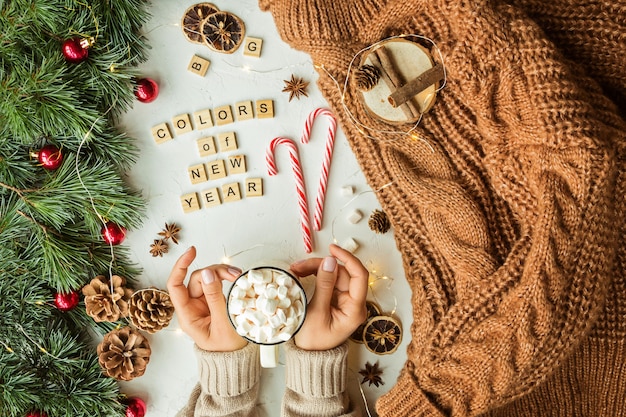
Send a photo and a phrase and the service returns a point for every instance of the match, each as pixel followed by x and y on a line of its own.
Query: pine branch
pixel 49 223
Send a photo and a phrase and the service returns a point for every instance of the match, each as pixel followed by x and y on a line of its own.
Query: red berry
pixel 135 407
pixel 146 90
pixel 75 50
pixel 50 157
pixel 66 301
pixel 113 234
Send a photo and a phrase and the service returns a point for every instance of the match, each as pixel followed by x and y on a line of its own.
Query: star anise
pixel 371 374
pixel 296 87
pixel 158 248
pixel 170 232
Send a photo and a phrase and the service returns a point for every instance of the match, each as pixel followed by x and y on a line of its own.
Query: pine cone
pixel 366 77
pixel 379 222
pixel 151 309
pixel 101 304
pixel 124 354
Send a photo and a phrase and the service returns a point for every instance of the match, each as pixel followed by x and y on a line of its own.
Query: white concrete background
pixel 252 229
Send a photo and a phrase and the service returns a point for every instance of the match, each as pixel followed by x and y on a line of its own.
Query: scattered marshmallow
pixel 348 190
pixel 266 306
pixel 350 245
pixel 355 216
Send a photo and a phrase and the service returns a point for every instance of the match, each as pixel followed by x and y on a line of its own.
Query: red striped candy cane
pixel 300 189
pixel 328 154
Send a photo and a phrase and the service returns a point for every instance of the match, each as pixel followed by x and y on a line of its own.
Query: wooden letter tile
pixel 264 109
pixel 231 192
pixel 228 141
pixel 211 197
pixel 216 169
pixel 199 65
pixel 182 124
pixel 190 202
pixel 161 133
pixel 236 164
pixel 244 110
pixel 197 174
pixel 203 119
pixel 223 115
pixel 254 187
pixel 206 146
pixel 252 46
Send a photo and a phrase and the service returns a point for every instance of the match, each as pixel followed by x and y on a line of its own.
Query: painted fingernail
pixel 234 271
pixel 208 276
pixel 329 264
pixel 298 262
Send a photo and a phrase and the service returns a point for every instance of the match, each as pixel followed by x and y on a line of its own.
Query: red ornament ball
pixel 36 414
pixel 66 301
pixel 146 90
pixel 76 50
pixel 135 407
pixel 113 234
pixel 50 157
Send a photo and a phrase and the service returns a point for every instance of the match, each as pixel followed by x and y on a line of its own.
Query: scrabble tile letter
pixel 198 65
pixel 254 187
pixel 228 141
pixel 265 109
pixel 182 124
pixel 190 202
pixel 231 192
pixel 197 174
pixel 244 110
pixel 206 146
pixel 252 46
pixel 236 164
pixel 203 119
pixel 161 133
pixel 223 115
pixel 211 197
pixel 216 169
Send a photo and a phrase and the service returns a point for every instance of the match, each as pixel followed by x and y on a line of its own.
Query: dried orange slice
pixel 382 335
pixel 223 32
pixel 372 311
pixel 194 17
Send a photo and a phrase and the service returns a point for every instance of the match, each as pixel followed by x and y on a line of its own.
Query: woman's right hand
pixel 201 306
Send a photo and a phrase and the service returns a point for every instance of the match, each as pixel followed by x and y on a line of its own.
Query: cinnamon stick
pixel 381 58
pixel 416 85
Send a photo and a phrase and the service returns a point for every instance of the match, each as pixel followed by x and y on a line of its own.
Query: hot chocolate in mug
pixel 267 306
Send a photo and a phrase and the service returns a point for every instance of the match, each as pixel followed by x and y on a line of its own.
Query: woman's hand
pixel 201 306
pixel 338 305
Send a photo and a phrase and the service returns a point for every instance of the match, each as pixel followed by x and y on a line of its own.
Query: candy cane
pixel 297 172
pixel 328 153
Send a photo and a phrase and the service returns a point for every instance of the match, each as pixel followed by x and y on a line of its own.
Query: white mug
pixel 267 306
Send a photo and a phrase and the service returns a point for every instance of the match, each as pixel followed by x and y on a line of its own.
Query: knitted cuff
pixel 406 399
pixel 319 374
pixel 227 374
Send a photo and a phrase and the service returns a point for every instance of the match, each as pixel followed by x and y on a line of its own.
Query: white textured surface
pixel 252 229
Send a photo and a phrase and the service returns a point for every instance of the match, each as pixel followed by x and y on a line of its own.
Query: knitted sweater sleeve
pixel 316 383
pixel 229 384
pixel 501 199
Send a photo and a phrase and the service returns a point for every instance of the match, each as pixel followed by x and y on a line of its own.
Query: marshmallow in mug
pixel 266 306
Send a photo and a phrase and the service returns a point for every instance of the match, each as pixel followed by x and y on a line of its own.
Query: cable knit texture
pixel 508 210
